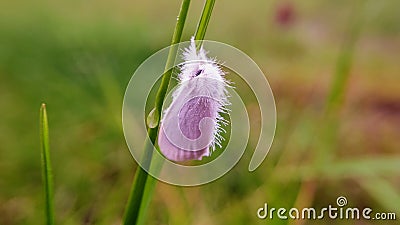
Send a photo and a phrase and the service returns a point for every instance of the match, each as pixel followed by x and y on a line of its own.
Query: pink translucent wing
pixel 173 153
pixel 193 112
pixel 190 117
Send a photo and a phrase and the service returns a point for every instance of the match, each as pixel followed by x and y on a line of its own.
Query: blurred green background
pixel 78 56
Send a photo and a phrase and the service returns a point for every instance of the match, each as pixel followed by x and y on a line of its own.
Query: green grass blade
pixel 204 20
pixel 147 196
pixel 176 38
pixel 340 81
pixel 134 206
pixel 46 165
pixel 345 59
pixel 346 168
pixel 325 144
pixel 383 191
pixel 143 187
pixel 151 182
pixel 135 201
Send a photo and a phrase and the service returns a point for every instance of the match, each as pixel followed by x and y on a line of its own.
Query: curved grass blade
pixel 143 197
pixel 134 206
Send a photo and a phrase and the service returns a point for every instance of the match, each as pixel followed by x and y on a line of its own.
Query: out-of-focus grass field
pixel 78 56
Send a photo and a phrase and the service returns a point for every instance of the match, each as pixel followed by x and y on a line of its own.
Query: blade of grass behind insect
pixel 324 146
pixel 337 91
pixel 135 206
pixel 382 191
pixel 151 181
pixel 46 166
pixel 204 20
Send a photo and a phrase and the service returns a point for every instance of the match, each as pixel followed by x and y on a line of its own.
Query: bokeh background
pixel 78 56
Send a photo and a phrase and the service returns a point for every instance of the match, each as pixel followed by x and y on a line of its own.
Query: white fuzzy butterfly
pixel 191 125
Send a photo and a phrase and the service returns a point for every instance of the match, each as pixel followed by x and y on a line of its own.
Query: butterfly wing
pixel 187 130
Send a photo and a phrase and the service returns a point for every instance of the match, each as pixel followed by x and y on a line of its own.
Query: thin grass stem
pixel 143 186
pixel 204 20
pixel 133 208
pixel 153 118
